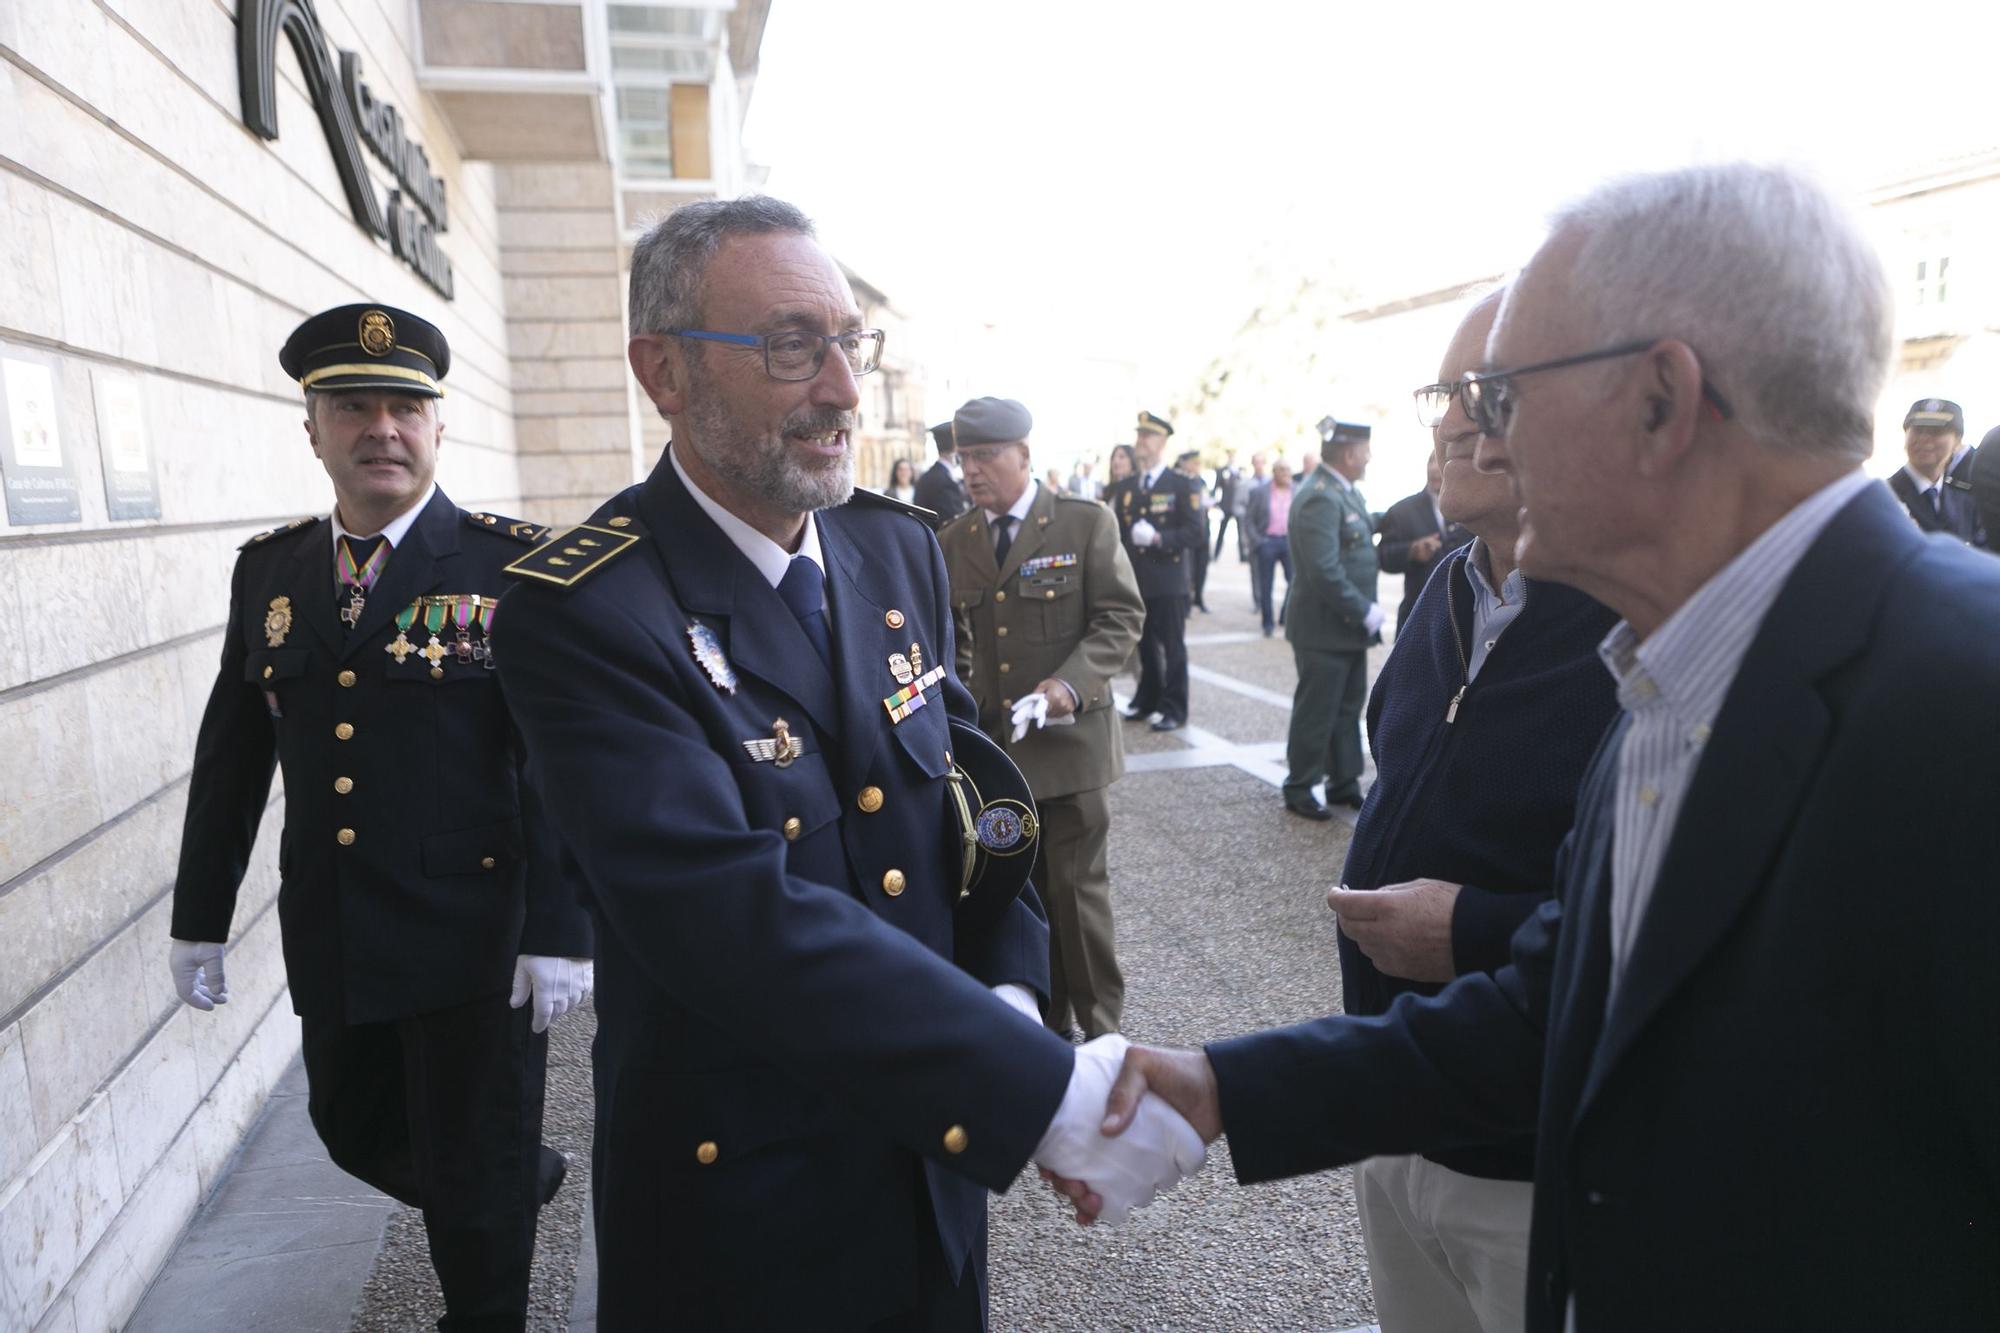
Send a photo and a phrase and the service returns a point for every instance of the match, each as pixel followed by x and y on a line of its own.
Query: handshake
pixel 1114 1145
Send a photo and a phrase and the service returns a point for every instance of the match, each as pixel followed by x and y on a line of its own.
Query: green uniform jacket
pixel 1065 604
pixel 1332 540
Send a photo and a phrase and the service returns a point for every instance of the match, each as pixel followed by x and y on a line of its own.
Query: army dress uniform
pixel 1332 542
pixel 1171 503
pixel 415 867
pixel 804 1086
pixel 1064 603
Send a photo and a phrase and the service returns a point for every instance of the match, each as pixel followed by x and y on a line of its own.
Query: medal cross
pixel 400 648
pixel 433 652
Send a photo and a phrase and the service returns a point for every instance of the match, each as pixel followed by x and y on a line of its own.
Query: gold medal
pixel 278 621
pixel 916 661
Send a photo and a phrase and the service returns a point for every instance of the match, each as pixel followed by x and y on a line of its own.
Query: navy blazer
pixel 796 1039
pixel 1786 1119
pixel 415 863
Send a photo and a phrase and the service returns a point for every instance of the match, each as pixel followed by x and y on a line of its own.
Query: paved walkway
pixel 1222 929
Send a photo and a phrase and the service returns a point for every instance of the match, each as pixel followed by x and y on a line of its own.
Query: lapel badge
pixel 708 652
pixel 899 667
pixel 893 619
pixel 780 747
pixel 278 621
pixel 916 660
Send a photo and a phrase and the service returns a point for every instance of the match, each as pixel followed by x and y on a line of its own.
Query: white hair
pixel 1764 274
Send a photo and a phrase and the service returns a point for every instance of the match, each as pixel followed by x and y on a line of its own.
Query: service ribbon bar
pixel 911 697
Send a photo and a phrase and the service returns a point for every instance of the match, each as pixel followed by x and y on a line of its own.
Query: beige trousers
pixel 1076 891
pixel 1447 1252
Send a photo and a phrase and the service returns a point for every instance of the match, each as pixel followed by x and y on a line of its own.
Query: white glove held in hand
pixel 1156 1152
pixel 1030 710
pixel 1373 620
pixel 558 985
pixel 1144 534
pixel 197 969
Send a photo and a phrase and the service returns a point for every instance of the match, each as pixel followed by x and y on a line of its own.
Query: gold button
pixel 999 596
pixel 1004 703
pixel 793 828
pixel 1005 667
pixel 623 522
pixel 344 732
pixel 343 785
pixel 345 837
pixel 487 863
pixel 892 883
pixel 267 673
pixel 954 1139
pixel 1001 631
pixel 707 1152
pixel 346 678
pixel 870 800
pixel 893 619
pixel 1051 593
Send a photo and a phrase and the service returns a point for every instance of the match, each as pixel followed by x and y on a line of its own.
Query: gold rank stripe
pixel 567 558
pixel 313 377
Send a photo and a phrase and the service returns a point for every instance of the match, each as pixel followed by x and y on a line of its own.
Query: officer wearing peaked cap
pixel 1159 520
pixel 1047 610
pixel 1935 485
pixel 428 934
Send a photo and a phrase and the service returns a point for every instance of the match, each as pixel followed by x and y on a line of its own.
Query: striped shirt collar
pixel 1690 661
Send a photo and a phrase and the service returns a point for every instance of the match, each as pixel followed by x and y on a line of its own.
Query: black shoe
pixel 554 1169
pixel 1199 607
pixel 1351 802
pixel 1136 714
pixel 1314 811
pixel 1167 724
pixel 1267 631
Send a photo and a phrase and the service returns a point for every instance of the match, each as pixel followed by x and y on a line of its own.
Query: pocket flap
pixel 741 1111
pixel 268 664
pixel 466 851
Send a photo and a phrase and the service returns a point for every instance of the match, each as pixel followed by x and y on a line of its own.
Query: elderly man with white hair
pixel 1754 1030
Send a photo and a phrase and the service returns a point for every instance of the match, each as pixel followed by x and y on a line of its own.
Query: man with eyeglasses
pixel 1752 1030
pixel 1482 722
pixel 1331 617
pixel 736 685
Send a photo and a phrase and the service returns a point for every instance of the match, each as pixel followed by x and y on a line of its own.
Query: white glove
pixel 1021 1000
pixel 1156 1152
pixel 1030 710
pixel 557 984
pixel 1144 534
pixel 1373 620
pixel 197 969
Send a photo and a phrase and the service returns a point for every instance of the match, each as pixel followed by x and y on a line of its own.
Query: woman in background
pixel 902 481
pixel 1123 462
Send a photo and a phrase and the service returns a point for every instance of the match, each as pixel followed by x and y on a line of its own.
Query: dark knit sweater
pixel 1485 799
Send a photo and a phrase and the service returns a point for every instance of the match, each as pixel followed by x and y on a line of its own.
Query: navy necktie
pixel 804 590
pixel 1005 526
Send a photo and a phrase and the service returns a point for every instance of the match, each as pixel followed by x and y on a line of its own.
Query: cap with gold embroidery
pixel 1157 425
pixel 367 346
pixel 1935 412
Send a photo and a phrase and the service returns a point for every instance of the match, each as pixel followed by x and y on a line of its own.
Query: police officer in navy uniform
pixel 1935 486
pixel 736 685
pixel 421 902
pixel 1159 520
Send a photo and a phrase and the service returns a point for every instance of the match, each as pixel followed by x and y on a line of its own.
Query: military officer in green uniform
pixel 1048 610
pixel 422 899
pixel 1331 617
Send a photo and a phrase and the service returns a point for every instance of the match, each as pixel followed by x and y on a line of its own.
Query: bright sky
pixel 1110 179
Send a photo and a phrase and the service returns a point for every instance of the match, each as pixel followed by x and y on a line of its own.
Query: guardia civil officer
pixel 1047 612
pixel 421 901
pixel 736 688
pixel 1331 616
pixel 1159 520
pixel 939 489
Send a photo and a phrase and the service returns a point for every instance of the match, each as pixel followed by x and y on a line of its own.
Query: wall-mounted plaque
pixel 35 470
pixel 131 485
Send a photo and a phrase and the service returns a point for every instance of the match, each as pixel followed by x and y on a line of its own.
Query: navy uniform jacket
pixel 940 492
pixel 1795 1082
pixel 1172 504
pixel 1960 517
pixel 447 871
pixel 1408 519
pixel 795 1035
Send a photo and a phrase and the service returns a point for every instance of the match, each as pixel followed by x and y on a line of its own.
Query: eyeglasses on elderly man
pixel 1490 398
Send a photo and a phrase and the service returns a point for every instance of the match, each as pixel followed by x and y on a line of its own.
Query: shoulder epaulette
pixel 876 500
pixel 570 556
pixel 509 527
pixel 292 526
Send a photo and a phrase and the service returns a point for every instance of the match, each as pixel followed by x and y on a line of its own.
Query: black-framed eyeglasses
pixel 1490 399
pixel 1433 401
pixel 794 355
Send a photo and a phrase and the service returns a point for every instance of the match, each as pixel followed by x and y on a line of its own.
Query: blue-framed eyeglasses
pixel 1490 399
pixel 793 355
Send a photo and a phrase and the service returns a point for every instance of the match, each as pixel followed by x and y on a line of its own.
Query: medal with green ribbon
pixel 400 647
pixel 434 652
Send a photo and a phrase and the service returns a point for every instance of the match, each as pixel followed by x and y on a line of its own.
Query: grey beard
pixel 765 466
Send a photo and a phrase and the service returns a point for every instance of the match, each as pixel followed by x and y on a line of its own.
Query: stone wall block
pixel 109 1284
pixel 18 1140
pixel 586 373
pixel 152 1099
pixel 48 799
pixel 568 403
pixel 595 338
pixel 577 297
pixel 82 1030
pixel 557 229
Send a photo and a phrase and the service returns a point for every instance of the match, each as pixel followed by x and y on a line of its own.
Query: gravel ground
pixel 402 1293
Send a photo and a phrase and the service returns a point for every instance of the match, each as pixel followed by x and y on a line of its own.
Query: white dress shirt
pixel 1019 512
pixel 771 559
pixel 1673 684
pixel 397 529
